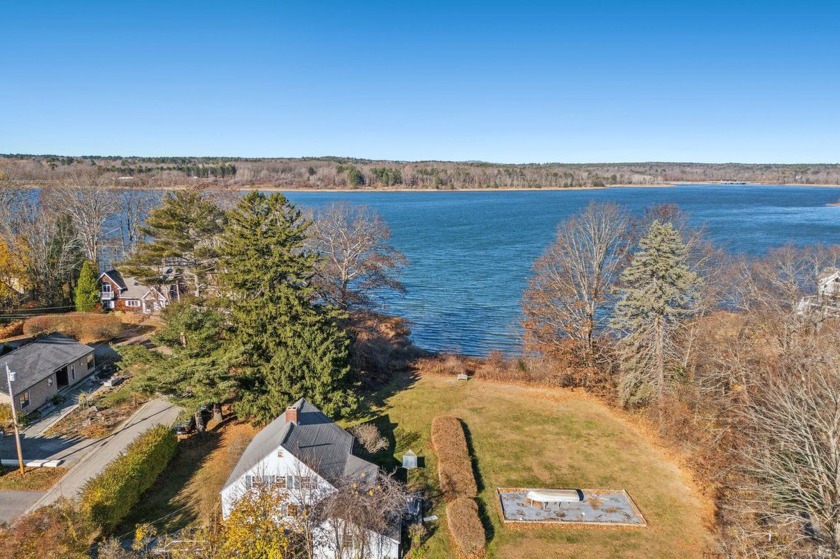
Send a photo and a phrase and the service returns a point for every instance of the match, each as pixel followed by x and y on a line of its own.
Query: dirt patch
pixel 99 416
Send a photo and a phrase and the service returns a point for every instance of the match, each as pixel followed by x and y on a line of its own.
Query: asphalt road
pixel 15 503
pixel 152 413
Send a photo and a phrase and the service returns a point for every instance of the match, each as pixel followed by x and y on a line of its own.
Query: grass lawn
pixel 553 438
pixel 36 479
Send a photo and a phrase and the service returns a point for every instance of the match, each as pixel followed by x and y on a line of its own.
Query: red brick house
pixel 128 295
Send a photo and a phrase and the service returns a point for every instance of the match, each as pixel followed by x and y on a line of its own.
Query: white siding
pixel 282 463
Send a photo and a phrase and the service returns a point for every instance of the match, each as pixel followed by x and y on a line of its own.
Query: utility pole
pixel 10 376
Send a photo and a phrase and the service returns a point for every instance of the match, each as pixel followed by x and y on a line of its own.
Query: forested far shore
pixel 322 173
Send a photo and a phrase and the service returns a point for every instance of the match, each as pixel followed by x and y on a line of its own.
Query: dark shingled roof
pixel 39 359
pixel 314 440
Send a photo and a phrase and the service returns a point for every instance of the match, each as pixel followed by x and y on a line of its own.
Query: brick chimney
pixel 291 415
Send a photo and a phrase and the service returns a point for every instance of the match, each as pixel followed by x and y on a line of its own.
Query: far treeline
pixel 340 172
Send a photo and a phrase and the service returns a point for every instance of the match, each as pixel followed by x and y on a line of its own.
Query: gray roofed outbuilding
pixel 39 359
pixel 314 439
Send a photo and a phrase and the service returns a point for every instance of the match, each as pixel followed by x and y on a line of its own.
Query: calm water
pixel 471 252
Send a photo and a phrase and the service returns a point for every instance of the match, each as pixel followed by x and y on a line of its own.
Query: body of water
pixel 471 252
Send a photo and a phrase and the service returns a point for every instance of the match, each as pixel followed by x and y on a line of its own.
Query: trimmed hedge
pixel 109 497
pixel 454 464
pixel 465 528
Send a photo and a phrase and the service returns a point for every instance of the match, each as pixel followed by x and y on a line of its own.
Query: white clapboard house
pixel 304 453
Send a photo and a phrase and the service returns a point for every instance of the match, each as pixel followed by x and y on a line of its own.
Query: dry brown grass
pixel 35 479
pixel 454 464
pixel 11 329
pixel 86 327
pixel 188 493
pixel 465 528
pixel 528 436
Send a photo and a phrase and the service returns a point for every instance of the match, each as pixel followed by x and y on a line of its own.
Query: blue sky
pixel 496 81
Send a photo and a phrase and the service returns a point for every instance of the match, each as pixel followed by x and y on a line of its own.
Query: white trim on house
pixel 277 456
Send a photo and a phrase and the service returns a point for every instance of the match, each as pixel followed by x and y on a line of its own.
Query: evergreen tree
pixel 196 372
pixel 182 234
pixel 86 296
pixel 657 295
pixel 290 346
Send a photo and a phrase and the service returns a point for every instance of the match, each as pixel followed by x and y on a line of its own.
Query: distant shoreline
pixel 333 190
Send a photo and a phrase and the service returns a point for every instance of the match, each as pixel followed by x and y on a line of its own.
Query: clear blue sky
pixel 589 81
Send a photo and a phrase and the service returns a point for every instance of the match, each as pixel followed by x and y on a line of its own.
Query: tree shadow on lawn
pixel 400 381
pixel 166 504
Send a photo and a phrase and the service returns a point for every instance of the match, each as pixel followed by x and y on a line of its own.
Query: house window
pixel 106 288
pixel 132 303
pixel 24 400
pixel 90 362
pixel 73 372
pixel 300 482
pixel 256 481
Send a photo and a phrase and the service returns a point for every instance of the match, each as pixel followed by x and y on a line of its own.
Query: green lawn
pixel 538 437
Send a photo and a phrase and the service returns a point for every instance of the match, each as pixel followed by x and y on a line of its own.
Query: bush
pixel 10 329
pixel 454 464
pixel 110 496
pixel 369 437
pixel 85 327
pixel 465 528
pixel 55 531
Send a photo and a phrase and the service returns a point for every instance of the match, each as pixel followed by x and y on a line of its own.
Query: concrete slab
pixel 599 507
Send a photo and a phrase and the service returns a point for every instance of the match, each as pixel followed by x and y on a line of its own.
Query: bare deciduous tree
pixel 134 205
pixel 570 292
pixel 359 512
pixel 792 454
pixel 356 260
pixel 47 246
pixel 89 200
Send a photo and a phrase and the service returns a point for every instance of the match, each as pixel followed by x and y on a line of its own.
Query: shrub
pixel 454 464
pixel 465 528
pixel 85 327
pixel 369 437
pixel 110 496
pixel 57 530
pixel 10 329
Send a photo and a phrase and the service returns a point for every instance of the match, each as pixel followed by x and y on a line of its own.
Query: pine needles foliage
pixel 290 345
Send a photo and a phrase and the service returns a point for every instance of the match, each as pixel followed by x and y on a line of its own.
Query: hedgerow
pixel 109 497
pixel 454 464
pixel 465 528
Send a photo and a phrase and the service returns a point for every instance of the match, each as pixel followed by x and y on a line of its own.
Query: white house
pixel 303 452
pixel 829 284
pixel 826 303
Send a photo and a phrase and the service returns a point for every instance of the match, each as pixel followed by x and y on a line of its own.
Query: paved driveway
pixel 105 450
pixel 15 503
pixel 85 457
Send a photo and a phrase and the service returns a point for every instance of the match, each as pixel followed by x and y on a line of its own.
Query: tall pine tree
pixel 197 370
pixel 657 296
pixel 290 346
pixel 182 234
pixel 86 295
